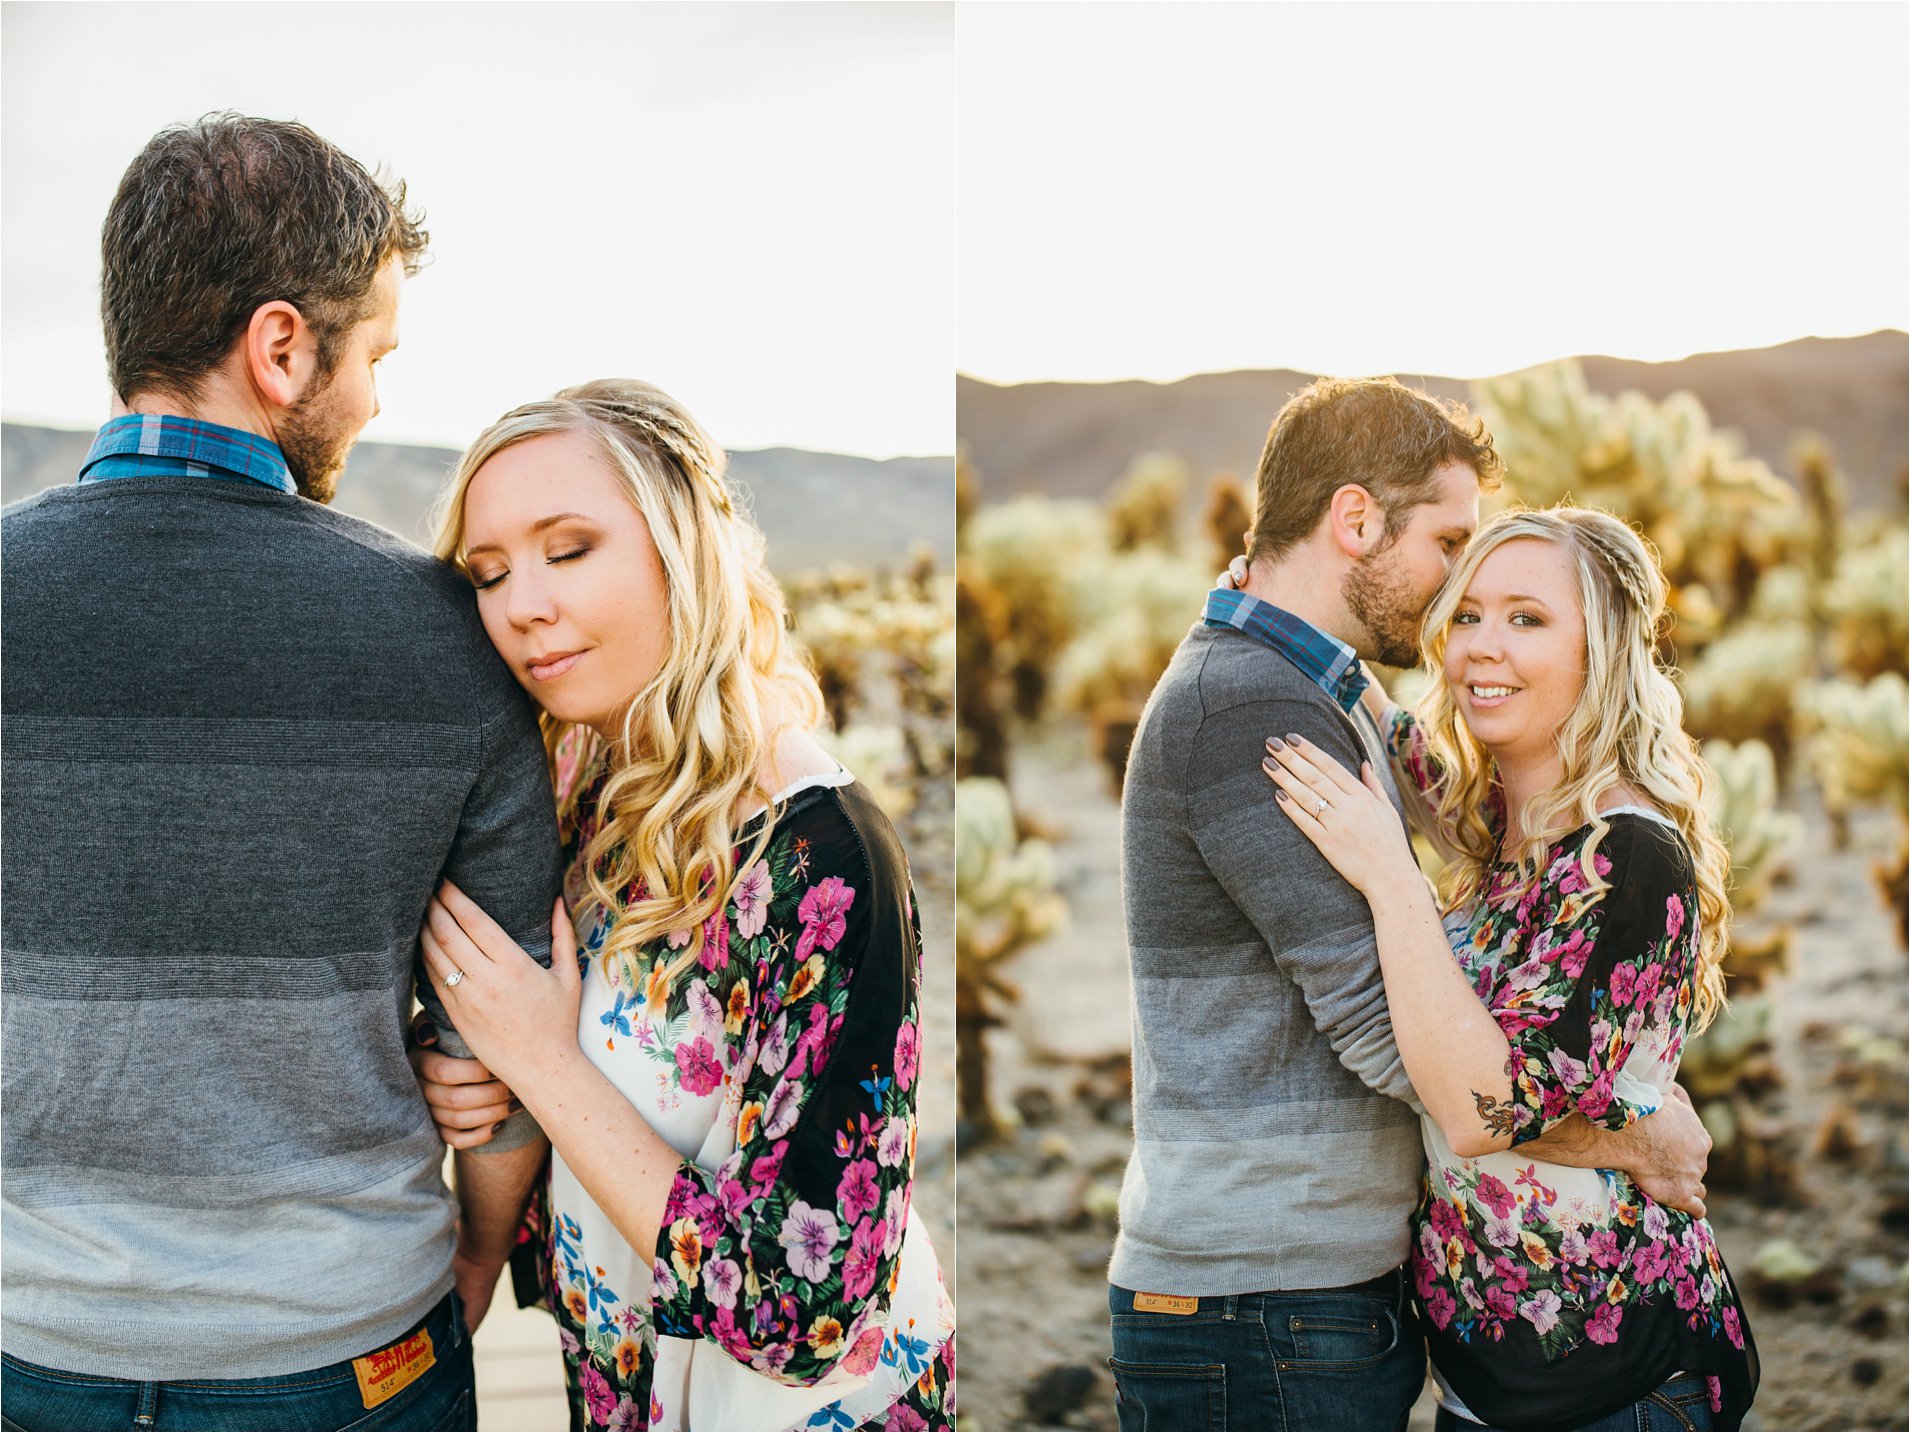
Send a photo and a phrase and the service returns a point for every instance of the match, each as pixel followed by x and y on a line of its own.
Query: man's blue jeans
pixel 442 1396
pixel 1320 1358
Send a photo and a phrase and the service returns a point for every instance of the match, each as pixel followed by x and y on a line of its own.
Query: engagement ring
pixel 453 978
pixel 1319 807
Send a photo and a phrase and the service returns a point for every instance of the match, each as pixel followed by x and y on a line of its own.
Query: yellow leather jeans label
pixel 391 1370
pixel 1164 1304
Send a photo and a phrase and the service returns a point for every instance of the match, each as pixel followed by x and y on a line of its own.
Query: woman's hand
pixel 517 1017
pixel 466 1101
pixel 1351 822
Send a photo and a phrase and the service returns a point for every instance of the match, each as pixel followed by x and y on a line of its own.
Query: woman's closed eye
pixel 483 584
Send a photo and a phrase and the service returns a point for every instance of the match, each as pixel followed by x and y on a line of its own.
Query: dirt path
pixel 1037 1209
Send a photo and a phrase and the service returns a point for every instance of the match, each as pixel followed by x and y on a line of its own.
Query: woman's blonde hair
pixel 1627 726
pixel 692 740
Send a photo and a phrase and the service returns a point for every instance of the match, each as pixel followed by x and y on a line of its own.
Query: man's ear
pixel 1355 520
pixel 280 353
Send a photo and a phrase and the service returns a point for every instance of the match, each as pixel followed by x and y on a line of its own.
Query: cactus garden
pixel 1791 623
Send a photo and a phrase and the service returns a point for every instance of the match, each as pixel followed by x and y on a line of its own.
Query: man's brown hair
pixel 1375 432
pixel 214 219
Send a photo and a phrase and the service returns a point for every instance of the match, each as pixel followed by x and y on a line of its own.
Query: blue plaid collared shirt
pixel 151 445
pixel 1326 660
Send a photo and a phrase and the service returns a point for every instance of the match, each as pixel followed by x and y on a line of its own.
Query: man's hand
pixel 476 1280
pixel 1664 1153
pixel 1674 1148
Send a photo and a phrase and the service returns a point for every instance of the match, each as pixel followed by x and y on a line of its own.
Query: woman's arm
pixel 1454 1051
pixel 521 1022
pixel 1605 975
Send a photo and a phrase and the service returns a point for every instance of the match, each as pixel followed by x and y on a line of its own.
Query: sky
pixel 1461 190
pixel 752 206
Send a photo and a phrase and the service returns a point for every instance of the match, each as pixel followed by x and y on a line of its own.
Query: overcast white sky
pixel 752 206
pixel 1458 189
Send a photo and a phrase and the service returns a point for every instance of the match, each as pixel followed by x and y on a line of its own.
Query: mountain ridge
pixel 1075 439
pixel 803 499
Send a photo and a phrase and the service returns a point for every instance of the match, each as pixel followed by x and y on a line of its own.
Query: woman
pixel 1585 907
pixel 726 1068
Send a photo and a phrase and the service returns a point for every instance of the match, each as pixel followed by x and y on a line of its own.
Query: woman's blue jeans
pixel 1682 1404
pixel 443 1396
pixel 1320 1358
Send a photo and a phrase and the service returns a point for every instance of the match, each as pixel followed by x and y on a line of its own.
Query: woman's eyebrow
pixel 536 527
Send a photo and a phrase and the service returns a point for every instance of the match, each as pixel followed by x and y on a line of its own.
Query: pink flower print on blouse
pixel 822 913
pixel 724 1280
pixel 1492 1193
pixel 809 1235
pixel 1602 1327
pixel 715 953
pixel 893 1145
pixel 865 1256
pixel 598 1395
pixel 697 1070
pixel 857 1193
pixel 908 1054
pixel 751 896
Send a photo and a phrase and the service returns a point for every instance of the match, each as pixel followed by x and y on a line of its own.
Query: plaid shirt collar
pixel 1330 663
pixel 151 445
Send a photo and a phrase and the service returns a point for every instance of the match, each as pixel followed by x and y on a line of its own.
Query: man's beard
pixel 315 443
pixel 1376 594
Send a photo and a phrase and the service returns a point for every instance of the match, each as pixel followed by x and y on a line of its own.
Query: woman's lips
pixel 1500 694
pixel 549 669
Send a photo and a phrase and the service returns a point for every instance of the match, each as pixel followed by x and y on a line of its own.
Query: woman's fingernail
pixel 515 1106
pixel 427 1034
pixel 1294 737
pixel 1275 744
pixel 1279 795
pixel 498 1126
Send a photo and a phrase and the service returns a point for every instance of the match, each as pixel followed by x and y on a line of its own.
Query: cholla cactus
pixel 1226 517
pixel 1868 606
pixel 1136 606
pixel 838 638
pixel 1717 517
pixel 1025 551
pixel 1858 745
pixel 1742 803
pixel 1145 506
pixel 879 758
pixel 1740 687
pixel 981 696
pixel 1004 898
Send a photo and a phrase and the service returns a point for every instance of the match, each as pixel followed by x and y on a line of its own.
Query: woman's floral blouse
pixel 790 1286
pixel 1551 1295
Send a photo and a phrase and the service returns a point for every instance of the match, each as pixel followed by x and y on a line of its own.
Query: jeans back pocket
pixel 1192 1396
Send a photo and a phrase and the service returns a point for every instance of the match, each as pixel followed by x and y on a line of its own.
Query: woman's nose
pixel 530 602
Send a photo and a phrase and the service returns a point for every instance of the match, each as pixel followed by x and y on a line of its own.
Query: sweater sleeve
pixel 784 1254
pixel 1318 928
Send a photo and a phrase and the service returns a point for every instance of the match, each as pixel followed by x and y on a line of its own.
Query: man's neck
pixel 1300 584
pixel 217 403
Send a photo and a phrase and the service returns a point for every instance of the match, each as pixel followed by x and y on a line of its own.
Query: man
pixel 244 739
pixel 1256 1282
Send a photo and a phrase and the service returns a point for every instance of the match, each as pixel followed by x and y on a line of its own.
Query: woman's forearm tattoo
pixel 1497 1114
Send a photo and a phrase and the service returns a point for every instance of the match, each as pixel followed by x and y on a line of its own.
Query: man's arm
pixel 492 1188
pixel 1318 927
pixel 506 857
pixel 1664 1153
